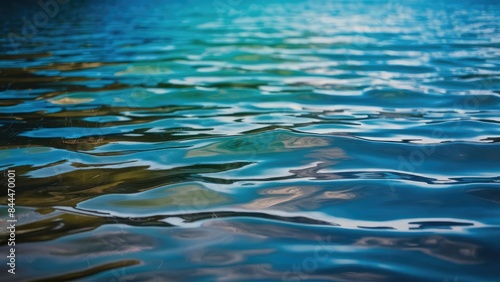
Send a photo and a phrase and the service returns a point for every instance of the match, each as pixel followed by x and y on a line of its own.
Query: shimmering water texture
pixel 253 140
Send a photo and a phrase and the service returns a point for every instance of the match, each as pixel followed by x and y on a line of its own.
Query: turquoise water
pixel 237 140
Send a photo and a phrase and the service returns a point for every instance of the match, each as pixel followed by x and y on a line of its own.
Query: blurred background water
pixel 238 140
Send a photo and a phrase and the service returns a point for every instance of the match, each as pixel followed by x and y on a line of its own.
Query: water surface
pixel 253 140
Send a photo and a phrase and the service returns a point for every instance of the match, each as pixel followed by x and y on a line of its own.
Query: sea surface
pixel 238 140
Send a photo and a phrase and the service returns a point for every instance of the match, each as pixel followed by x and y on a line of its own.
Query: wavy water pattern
pixel 253 140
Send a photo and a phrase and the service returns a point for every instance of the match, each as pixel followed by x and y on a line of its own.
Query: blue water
pixel 237 140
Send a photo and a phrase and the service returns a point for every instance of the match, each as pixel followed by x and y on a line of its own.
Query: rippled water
pixel 235 140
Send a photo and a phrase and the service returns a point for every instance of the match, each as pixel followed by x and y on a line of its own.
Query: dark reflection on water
pixel 252 140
